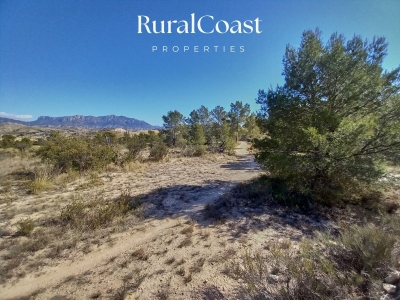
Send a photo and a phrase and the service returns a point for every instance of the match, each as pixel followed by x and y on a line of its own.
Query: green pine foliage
pixel 213 130
pixel 7 141
pixel 336 119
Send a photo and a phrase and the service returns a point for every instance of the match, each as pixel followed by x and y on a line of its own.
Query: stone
pixel 389 288
pixel 393 277
pixel 273 278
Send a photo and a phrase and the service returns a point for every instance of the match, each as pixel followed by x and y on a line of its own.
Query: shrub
pixel 38 185
pixel 352 264
pixel 25 226
pixel 136 145
pixel 24 144
pixel 7 141
pixel 194 150
pixel 42 180
pixel 159 151
pixel 368 249
pixel 95 213
pixel 333 122
pixel 78 153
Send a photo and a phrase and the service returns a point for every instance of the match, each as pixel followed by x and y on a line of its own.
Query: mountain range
pixel 90 122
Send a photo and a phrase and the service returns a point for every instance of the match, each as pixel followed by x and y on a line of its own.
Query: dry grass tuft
pixel 188 230
pixel 25 226
pixel 140 254
pixel 187 241
pixel 197 266
pixel 95 213
pixel 170 261
pixel 351 264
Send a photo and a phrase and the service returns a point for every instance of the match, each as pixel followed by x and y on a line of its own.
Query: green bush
pixel 77 153
pixel 159 151
pixel 7 141
pixel 23 144
pixel 136 145
pixel 334 121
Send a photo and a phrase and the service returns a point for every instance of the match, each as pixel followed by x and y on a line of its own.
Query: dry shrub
pixel 346 266
pixel 140 254
pixel 38 185
pixel 170 261
pixel 43 179
pixel 25 226
pixel 366 249
pixel 197 266
pixel 187 241
pixel 95 213
pixel 188 230
pixel 194 151
pixel 134 166
pixel 12 162
pixel 67 177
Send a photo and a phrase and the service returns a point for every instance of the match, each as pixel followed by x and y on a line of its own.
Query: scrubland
pixel 206 227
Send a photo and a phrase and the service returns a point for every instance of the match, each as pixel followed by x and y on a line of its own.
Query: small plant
pixel 170 261
pixel 367 249
pixel 181 271
pixel 42 180
pixel 94 213
pixel 39 184
pixel 140 254
pixel 352 263
pixel 188 230
pixel 25 226
pixel 197 266
pixel 94 179
pixel 187 241
pixel 187 279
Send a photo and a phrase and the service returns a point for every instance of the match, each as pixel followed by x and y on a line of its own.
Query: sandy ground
pixel 173 253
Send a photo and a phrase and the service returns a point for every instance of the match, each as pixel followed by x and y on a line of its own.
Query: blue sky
pixel 86 57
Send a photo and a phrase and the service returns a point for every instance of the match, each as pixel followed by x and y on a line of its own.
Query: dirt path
pixel 176 194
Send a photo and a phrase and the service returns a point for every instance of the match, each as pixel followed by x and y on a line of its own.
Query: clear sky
pixel 86 57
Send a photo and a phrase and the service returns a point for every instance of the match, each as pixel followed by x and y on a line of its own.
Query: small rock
pixel 393 277
pixel 389 288
pixel 273 278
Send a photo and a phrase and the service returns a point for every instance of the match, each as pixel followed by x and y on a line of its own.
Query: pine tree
pixel 336 118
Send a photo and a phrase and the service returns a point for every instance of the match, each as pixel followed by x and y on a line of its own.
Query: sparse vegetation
pixel 140 254
pixel 352 264
pixel 25 226
pixel 152 235
pixel 93 214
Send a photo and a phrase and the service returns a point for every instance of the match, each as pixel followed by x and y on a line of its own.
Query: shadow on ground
pixel 225 203
pixel 243 163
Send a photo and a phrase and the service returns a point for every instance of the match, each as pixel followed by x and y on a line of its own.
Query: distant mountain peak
pixel 91 122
